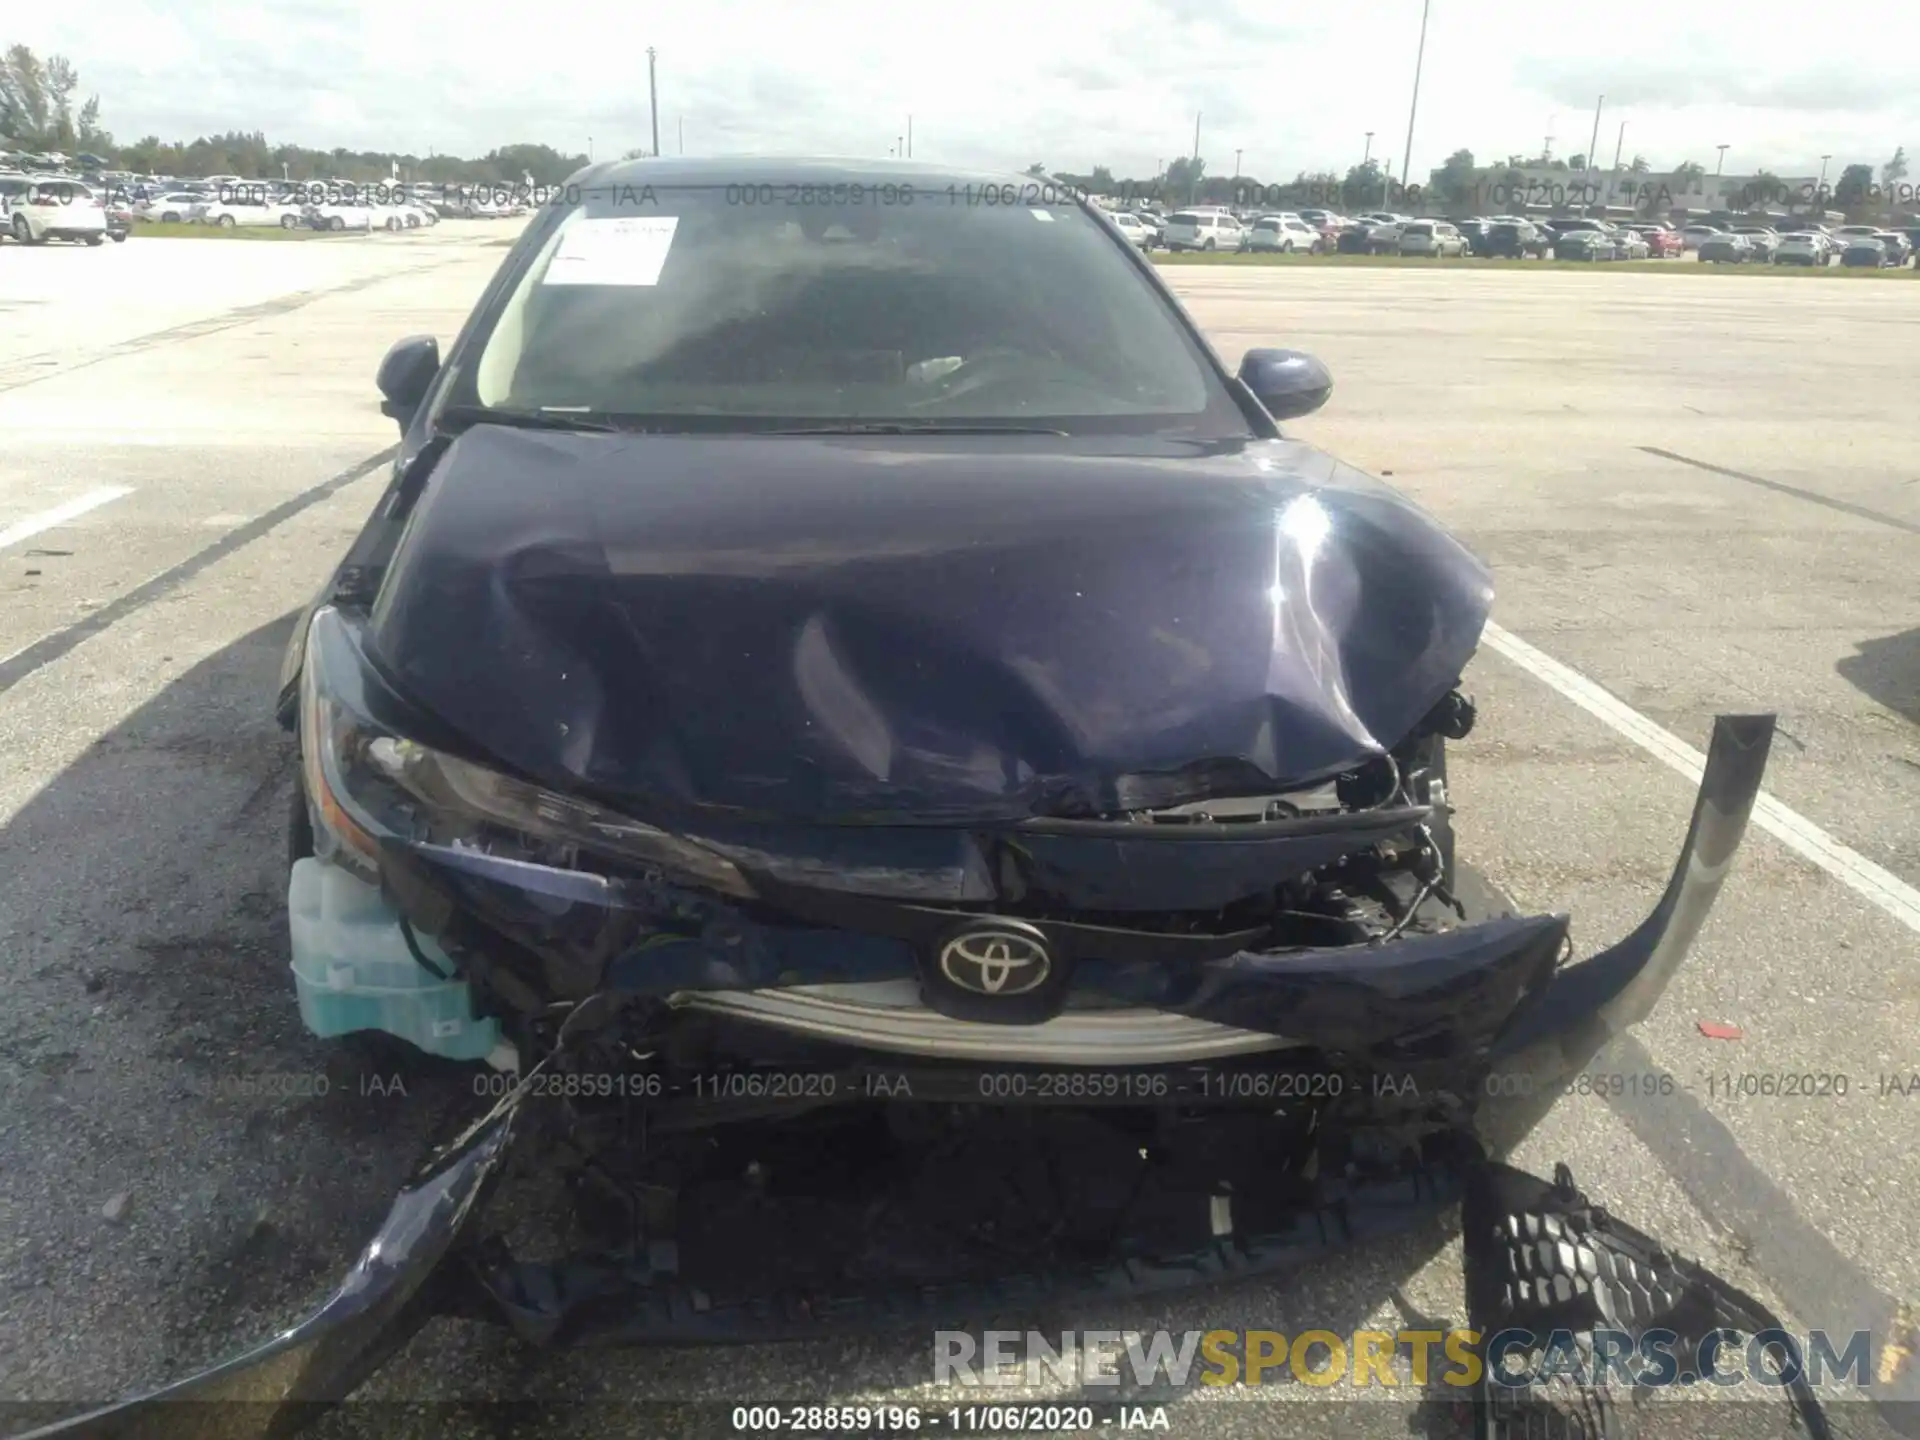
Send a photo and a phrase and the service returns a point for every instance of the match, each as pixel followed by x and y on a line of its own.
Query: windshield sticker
pixel 627 250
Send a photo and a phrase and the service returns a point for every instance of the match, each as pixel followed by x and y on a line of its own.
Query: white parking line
pixel 1879 887
pixel 61 514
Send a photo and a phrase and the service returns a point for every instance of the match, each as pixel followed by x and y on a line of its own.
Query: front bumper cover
pixel 423 1261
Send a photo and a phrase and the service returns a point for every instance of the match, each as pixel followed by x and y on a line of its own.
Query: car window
pixel 681 305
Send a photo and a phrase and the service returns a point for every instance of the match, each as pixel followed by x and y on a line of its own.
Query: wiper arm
pixel 458 417
pixel 915 427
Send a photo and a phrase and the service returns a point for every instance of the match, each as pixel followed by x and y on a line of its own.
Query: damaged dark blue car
pixel 920 797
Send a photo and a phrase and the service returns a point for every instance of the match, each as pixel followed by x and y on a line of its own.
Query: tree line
pixel 1459 187
pixel 40 112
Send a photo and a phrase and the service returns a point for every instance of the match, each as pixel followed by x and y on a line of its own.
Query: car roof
pixel 790 170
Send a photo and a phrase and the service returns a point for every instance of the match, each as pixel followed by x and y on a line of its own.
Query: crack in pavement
pixel 1845 507
pixel 49 648
pixel 14 376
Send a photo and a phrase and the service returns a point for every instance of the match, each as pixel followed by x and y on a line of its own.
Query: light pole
pixel 1236 164
pixel 1369 151
pixel 653 102
pixel 1617 144
pixel 1721 163
pixel 589 149
pixel 1823 176
pixel 1419 58
pixel 1594 139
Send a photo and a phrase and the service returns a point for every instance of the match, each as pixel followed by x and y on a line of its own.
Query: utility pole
pixel 653 102
pixel 1406 160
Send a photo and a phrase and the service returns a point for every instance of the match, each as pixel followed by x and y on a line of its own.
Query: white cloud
pixel 999 84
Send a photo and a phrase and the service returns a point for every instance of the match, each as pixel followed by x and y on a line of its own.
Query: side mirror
pixel 406 375
pixel 1289 383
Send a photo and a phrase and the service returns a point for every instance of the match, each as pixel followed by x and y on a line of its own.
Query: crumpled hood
pixel 950 628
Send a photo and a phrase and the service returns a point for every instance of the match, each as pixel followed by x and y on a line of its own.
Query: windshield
pixel 686 306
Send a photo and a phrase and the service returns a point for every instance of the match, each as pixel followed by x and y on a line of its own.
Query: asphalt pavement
pixel 1697 496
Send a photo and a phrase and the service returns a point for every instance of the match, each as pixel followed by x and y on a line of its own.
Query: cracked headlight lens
pixel 366 784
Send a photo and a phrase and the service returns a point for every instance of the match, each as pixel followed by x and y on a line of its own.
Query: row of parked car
pixel 1867 246
pixel 38 208
pixel 1321 232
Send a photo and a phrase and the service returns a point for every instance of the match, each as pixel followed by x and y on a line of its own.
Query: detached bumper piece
pixel 1571 1302
pixel 283 1386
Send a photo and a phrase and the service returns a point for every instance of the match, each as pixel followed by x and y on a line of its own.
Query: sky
pixel 1068 83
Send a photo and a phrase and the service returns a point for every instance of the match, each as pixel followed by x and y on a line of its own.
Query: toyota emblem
pixel 996 961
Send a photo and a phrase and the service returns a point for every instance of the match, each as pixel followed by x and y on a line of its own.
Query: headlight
pixel 368 783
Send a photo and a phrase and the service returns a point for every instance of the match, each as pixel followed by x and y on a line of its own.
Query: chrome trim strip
pixel 888 1016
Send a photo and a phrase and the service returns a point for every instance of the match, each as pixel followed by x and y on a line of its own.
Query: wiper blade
pixel 915 427
pixel 459 417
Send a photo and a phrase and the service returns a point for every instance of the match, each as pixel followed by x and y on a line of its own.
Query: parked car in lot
pixel 338 213
pixel 1474 232
pixel 1131 226
pixel 1899 248
pixel 710 738
pixel 1803 247
pixel 1353 240
pixel 1515 240
pixel 1663 241
pixel 1383 236
pixel 57 210
pixel 1586 240
pixel 1692 237
pixel 173 207
pixel 1435 238
pixel 1281 235
pixel 1630 244
pixel 1725 248
pixel 1202 230
pixel 250 206
pixel 1761 241
pixel 1865 251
